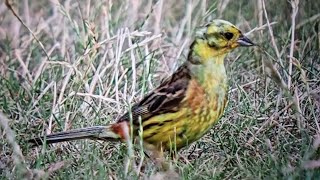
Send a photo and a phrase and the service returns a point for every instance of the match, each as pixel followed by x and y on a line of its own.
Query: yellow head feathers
pixel 215 39
pixel 222 34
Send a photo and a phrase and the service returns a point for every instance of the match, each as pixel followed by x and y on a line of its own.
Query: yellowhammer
pixel 185 106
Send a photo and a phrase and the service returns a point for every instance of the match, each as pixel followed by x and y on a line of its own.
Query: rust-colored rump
pixel 122 129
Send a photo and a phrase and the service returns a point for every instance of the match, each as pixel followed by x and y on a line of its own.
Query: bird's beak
pixel 244 41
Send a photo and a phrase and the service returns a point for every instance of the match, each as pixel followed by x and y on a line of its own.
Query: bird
pixel 184 107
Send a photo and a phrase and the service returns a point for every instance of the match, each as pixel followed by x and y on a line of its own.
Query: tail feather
pixel 95 132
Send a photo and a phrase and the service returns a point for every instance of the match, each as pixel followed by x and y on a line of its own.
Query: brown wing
pixel 165 98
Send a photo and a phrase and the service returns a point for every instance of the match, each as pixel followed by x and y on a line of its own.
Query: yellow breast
pixel 198 112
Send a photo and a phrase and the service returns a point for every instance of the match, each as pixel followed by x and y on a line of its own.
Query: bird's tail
pixel 95 132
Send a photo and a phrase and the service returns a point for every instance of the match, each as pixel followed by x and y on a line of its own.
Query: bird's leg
pixel 174 155
pixel 157 155
pixel 166 169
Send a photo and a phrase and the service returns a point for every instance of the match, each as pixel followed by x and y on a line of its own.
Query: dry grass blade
pixel 294 4
pixel 9 5
pixel 18 157
pixel 273 41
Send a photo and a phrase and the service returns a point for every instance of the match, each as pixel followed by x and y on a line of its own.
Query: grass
pixel 85 62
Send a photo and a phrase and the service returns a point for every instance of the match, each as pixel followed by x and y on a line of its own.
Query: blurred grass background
pixel 91 59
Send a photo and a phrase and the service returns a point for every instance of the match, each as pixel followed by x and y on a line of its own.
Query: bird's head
pixel 217 39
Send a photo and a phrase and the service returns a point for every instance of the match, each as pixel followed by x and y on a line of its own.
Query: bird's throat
pixel 211 76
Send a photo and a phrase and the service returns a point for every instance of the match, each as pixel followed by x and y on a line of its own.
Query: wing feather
pixel 165 98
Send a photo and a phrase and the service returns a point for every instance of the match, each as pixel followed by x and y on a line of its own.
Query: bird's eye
pixel 228 35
